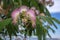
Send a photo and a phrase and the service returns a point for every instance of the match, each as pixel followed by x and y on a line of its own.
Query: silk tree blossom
pixel 23 9
pixel 15 15
pixel 16 12
pixel 46 2
pixel 32 16
pixel 29 13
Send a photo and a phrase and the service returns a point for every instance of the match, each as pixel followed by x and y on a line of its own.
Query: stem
pixel 20 2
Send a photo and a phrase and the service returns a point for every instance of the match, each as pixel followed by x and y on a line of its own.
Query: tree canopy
pixel 32 15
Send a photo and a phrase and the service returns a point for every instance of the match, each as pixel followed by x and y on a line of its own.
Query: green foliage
pixel 11 30
pixel 41 29
pixel 47 12
pixel 50 20
pixel 55 20
pixel 0 39
pixel 4 23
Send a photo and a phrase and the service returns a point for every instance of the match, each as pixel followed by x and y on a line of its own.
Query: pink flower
pixel 15 15
pixel 23 9
pixel 16 12
pixel 31 14
pixel 37 12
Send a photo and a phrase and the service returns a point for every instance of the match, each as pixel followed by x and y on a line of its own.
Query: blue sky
pixel 55 12
pixel 55 7
pixel 57 33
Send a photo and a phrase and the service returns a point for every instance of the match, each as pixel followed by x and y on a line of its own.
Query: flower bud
pixel 42 14
pixel 33 8
pixel 37 12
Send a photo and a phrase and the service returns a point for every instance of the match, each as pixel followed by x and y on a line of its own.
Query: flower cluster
pixel 29 13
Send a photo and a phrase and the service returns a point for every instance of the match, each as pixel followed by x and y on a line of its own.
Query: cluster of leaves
pixel 41 30
pixel 7 28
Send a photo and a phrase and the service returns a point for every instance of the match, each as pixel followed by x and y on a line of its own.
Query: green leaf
pixel 26 2
pixel 44 34
pixel 46 19
pixel 38 29
pixel 4 23
pixel 49 34
pixel 53 22
pixel 48 27
pixel 57 21
pixel 7 3
pixel 47 13
pixel 33 3
pixel 12 30
pixel 49 20
pixel 42 18
pixel 18 2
